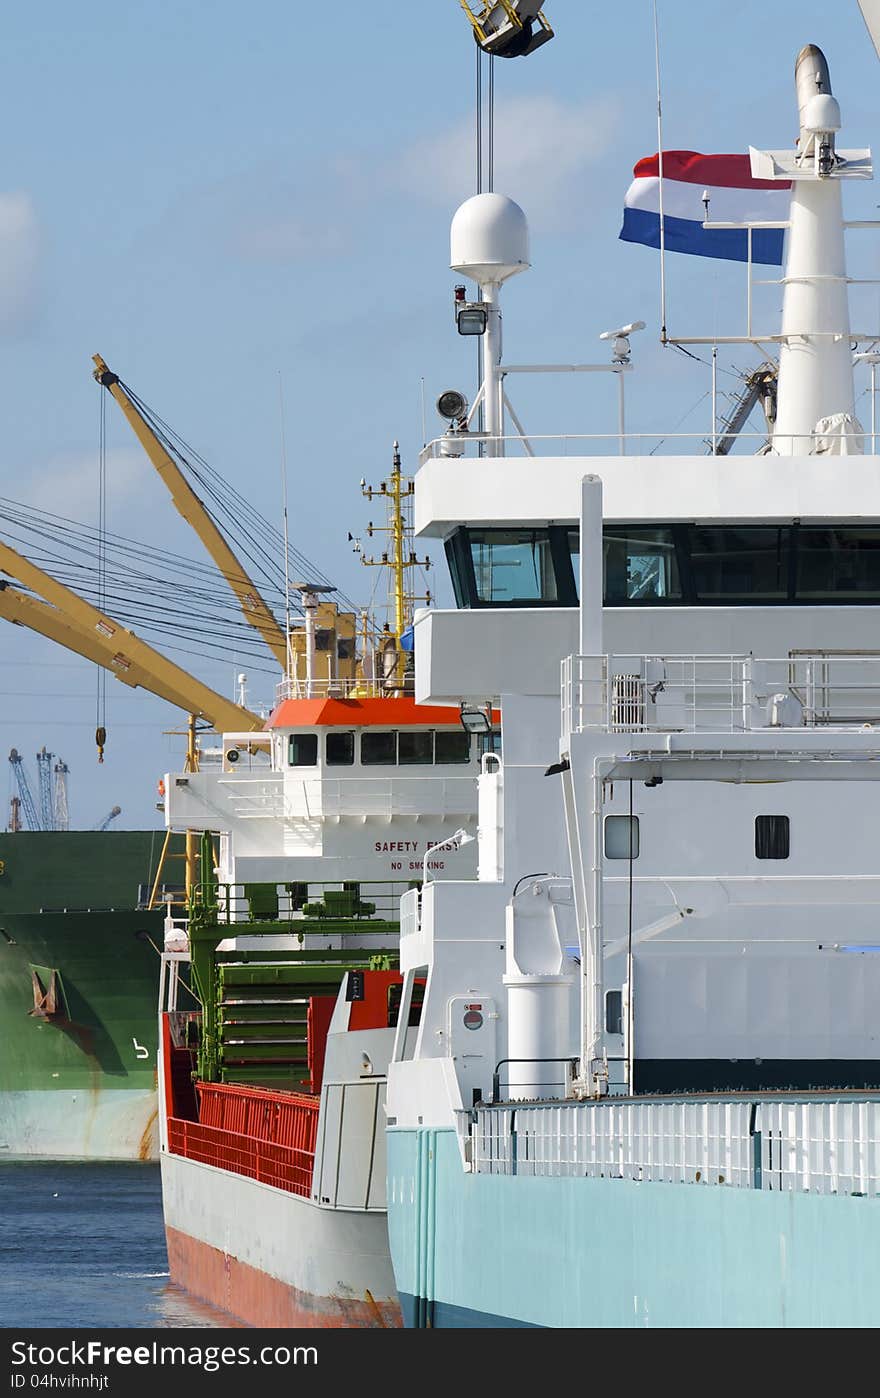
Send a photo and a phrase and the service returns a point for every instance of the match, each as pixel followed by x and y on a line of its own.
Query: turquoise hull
pixel 475 1250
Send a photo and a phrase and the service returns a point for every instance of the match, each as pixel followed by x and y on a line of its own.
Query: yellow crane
pixel 75 623
pixel 508 28
pixel 255 609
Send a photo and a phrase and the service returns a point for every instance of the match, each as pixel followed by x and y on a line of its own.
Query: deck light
pixel 452 405
pixel 471 317
pixel 476 718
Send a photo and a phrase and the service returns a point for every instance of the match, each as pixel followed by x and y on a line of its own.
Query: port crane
pixel 72 621
pixel 25 801
pixel 255 610
pixel 110 816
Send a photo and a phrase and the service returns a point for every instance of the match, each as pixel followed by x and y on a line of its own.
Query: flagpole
pixel 663 336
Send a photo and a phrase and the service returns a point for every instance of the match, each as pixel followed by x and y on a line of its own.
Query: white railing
pixel 830 1146
pixel 474 444
pixel 340 689
pixel 316 798
pixel 718 693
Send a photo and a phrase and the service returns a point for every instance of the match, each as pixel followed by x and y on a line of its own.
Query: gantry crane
pixel 255 609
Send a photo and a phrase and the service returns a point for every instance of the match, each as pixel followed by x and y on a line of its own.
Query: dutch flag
pixel 734 197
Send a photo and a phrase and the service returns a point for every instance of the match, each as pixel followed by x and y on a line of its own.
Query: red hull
pixel 258 1299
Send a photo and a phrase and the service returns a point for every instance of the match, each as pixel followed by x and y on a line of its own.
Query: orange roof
pixel 378 712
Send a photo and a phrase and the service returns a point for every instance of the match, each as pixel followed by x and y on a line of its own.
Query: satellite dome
pixel 489 240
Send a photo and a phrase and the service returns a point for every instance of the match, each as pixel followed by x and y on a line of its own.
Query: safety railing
pixel 827 1146
pixel 291 903
pixel 325 688
pixel 298 801
pixel 268 1136
pixel 719 693
pixel 635 444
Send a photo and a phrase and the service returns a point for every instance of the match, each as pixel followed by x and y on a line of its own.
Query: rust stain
pixel 145 1149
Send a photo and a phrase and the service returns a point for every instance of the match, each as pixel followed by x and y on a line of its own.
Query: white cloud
pixel 19 258
pixel 544 148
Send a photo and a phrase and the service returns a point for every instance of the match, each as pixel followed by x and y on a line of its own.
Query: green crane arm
pixel 188 504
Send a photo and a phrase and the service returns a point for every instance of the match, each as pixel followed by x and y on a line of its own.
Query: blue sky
pixel 213 196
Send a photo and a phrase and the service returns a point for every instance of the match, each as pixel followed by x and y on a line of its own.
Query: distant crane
pixel 44 783
pixel 111 815
pixel 52 811
pixel 60 808
pixel 26 797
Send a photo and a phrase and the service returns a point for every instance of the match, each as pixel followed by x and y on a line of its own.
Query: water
pixel 82 1245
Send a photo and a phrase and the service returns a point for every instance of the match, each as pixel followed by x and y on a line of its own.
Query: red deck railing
pixel 255 1131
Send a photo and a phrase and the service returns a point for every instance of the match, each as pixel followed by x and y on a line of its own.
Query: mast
pixel 816 393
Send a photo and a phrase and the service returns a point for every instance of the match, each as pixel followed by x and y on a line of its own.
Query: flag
pixel 734 197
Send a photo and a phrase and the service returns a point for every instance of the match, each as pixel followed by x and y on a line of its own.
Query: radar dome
pixel 489 240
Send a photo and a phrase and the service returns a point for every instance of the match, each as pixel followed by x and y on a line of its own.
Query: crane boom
pixel 113 646
pixel 255 609
pixel 24 610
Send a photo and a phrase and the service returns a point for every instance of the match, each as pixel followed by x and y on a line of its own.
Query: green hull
pixel 78 1048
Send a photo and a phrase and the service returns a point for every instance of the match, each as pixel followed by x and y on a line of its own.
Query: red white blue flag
pixel 734 197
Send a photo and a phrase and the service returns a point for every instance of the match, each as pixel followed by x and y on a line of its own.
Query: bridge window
pixel 452 747
pixel 835 564
pixel 743 561
pixel 621 837
pixel 685 564
pixel 302 750
pixel 340 748
pixel 414 747
pixel 772 837
pixel 379 749
pixel 640 565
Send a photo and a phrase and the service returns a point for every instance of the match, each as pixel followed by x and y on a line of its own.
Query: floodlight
pixel 471 317
pixel 452 405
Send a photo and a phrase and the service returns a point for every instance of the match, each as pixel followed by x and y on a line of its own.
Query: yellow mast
pixel 400 560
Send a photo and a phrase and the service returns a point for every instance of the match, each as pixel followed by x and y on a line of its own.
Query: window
pixel 614 1012
pixel 834 564
pixel 685 564
pixel 772 837
pixel 452 747
pixel 640 565
pixel 513 565
pixel 621 837
pixel 379 749
pixel 340 749
pixel 743 561
pixel 302 750
pixel 414 747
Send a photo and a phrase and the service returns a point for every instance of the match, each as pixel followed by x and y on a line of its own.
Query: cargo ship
pixel 645 1086
pixel 274 1046
pixel 79 966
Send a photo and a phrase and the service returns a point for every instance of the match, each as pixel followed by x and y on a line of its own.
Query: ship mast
pixel 815 409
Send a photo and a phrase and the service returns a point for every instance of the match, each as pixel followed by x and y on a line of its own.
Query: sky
pixel 234 204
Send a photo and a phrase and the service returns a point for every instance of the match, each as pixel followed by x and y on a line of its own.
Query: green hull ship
pixel 79 963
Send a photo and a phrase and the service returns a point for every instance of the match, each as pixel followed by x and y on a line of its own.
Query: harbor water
pixel 82 1245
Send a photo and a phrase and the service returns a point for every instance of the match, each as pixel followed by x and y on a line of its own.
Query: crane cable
pixel 101 673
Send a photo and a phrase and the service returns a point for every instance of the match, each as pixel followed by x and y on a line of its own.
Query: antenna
pixel 287 622
pixel 660 177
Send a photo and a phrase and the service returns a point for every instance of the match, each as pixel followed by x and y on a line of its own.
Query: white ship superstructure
pixel 663 1015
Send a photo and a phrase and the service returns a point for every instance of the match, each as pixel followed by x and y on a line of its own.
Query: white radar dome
pixel 489 240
